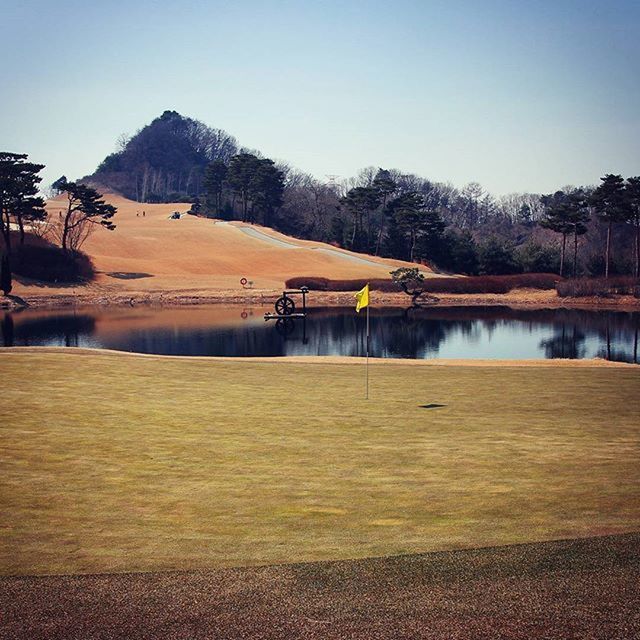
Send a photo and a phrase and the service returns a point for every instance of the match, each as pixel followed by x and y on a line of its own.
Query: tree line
pixel 380 211
pixel 401 216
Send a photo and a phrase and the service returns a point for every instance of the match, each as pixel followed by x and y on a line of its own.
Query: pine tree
pixel 611 208
pixel 632 192
pixel 85 207
pixel 215 176
pixel 242 169
pixel 384 184
pixel 18 194
pixel 557 218
pixel 267 189
pixel 360 202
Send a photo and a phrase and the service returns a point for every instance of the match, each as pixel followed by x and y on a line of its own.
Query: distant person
pixel 143 213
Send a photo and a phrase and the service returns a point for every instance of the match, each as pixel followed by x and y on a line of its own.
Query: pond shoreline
pixel 581 363
pixel 97 296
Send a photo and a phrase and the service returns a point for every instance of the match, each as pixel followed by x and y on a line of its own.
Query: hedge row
pixel 471 284
pixel 599 287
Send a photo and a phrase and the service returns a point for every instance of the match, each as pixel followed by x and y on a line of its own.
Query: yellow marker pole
pixel 367 360
pixel 362 298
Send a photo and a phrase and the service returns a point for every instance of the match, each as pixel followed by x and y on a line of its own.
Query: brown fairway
pixel 197 253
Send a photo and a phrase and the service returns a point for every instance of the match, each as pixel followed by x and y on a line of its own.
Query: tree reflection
pixel 64 329
pixel 7 330
pixel 404 333
pixel 565 344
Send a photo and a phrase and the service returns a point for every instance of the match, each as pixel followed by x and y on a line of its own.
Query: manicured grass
pixel 127 463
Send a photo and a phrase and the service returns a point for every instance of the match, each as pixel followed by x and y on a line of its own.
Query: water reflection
pixel 7 330
pixel 68 330
pixel 455 332
pixel 569 342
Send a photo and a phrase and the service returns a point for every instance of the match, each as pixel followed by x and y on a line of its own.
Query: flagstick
pixel 367 361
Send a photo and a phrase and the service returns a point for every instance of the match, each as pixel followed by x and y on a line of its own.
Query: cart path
pixel 265 237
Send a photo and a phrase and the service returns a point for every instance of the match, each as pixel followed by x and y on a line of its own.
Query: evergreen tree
pixel 384 184
pixel 578 217
pixel 410 217
pixel 461 253
pixel 215 176
pixel 497 258
pixel 337 231
pixel 611 208
pixel 240 175
pixel 18 194
pixel 557 218
pixel 360 202
pixel 537 258
pixel 267 189
pixel 57 185
pixel 431 245
pixel 632 192
pixel 85 207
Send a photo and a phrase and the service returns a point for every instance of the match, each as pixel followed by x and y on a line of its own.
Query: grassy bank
pixel 125 463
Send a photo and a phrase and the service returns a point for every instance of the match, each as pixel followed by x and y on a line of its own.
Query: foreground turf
pixel 576 589
pixel 127 463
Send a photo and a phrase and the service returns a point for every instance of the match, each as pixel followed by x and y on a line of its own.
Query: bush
pixel 492 284
pixel 51 264
pixel 324 284
pixel 598 287
pixel 537 258
pixel 472 284
pixel 618 267
pixel 497 258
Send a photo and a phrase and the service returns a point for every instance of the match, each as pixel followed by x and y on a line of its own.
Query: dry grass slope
pixel 195 253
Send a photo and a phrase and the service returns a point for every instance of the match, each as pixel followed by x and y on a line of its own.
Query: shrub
pixel 491 284
pixel 324 284
pixel 598 287
pixel 472 284
pixel 497 258
pixel 537 258
pixel 51 264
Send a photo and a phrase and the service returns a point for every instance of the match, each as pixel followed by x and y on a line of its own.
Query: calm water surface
pixel 456 332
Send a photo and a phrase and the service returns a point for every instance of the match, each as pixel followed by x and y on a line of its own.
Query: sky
pixel 518 96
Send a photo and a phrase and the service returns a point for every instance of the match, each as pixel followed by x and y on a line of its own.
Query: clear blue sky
pixel 519 96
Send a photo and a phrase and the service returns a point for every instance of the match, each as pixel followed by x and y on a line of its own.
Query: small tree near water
pixel 411 281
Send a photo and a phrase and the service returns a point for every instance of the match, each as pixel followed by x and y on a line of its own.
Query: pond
pixel 435 332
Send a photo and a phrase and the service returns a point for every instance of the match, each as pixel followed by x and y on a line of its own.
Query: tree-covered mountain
pixel 164 161
pixel 384 212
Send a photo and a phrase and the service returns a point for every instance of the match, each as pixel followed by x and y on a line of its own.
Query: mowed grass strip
pixel 126 463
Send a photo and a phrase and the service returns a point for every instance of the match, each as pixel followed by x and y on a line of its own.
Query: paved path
pixel 351 257
pixel 586 589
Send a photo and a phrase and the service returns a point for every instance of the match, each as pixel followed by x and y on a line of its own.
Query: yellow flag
pixel 362 298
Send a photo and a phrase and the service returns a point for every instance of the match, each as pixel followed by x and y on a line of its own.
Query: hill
pixel 164 160
pixel 151 251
